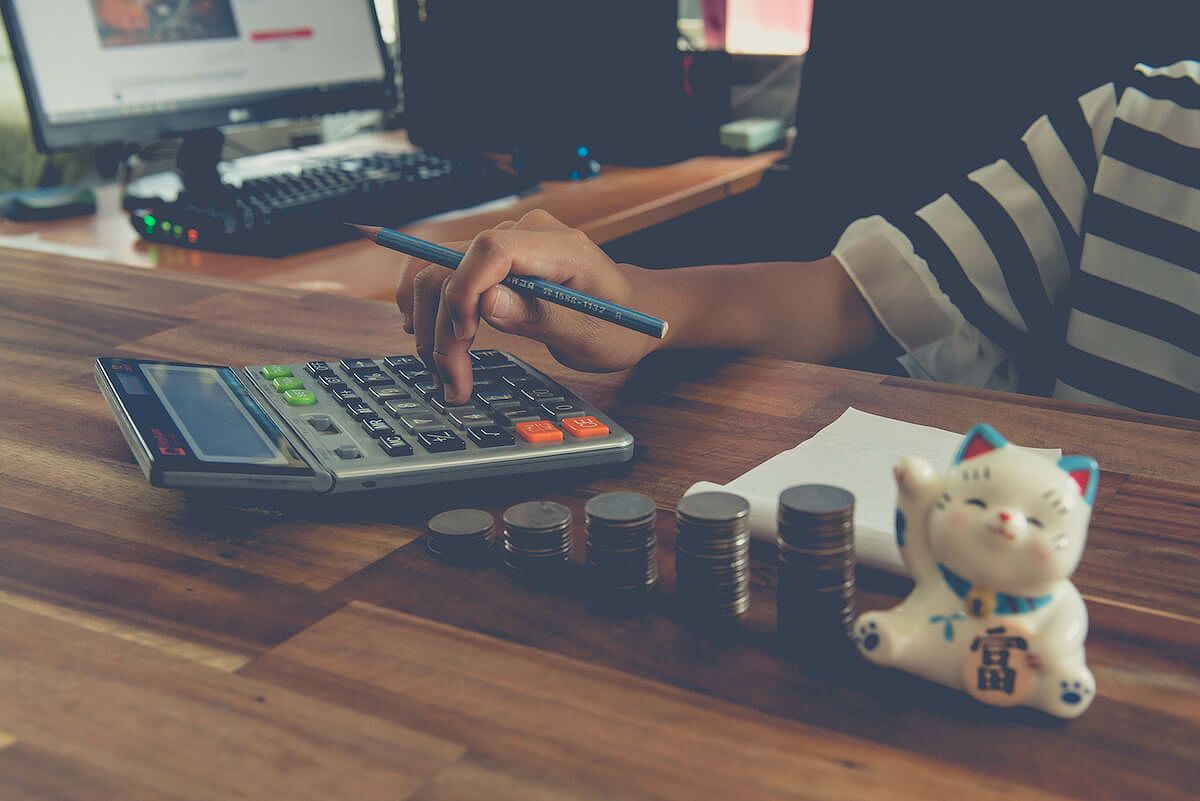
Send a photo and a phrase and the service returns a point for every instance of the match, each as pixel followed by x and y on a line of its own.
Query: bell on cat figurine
pixel 991 545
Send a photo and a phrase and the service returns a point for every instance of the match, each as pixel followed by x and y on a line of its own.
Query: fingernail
pixel 503 305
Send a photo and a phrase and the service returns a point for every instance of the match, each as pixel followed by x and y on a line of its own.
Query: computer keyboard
pixel 284 213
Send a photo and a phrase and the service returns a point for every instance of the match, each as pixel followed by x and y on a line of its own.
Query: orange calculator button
pixel 585 426
pixel 539 431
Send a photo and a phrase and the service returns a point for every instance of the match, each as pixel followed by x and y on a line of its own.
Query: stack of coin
pixel 816 568
pixel 712 555
pixel 537 539
pixel 621 544
pixel 460 535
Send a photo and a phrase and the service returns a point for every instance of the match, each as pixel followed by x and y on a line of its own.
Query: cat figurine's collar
pixel 985 603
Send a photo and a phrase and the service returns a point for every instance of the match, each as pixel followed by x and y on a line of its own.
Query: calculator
pixel 345 425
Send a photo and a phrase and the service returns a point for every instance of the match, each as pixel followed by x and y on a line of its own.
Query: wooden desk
pixel 155 644
pixel 619 201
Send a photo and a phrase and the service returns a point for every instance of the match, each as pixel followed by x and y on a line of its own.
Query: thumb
pixel 509 312
pixel 514 313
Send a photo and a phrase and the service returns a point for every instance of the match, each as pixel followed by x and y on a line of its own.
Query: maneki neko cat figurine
pixel 992 545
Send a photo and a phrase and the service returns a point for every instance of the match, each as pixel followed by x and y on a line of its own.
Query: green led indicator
pixel 150 221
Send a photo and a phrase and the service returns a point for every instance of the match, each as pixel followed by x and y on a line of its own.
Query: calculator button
pixel 352 365
pixel 360 410
pixel 484 382
pixel 273 371
pixel 469 416
pixel 510 417
pixel 440 441
pixel 557 411
pixel 489 358
pixel 345 396
pixel 300 397
pixel 437 399
pixel 321 422
pixel 373 378
pixel 397 408
pixel 487 397
pixel 541 394
pixel 331 381
pixel 503 371
pixel 421 422
pixel 395 446
pixel 348 452
pixel 318 369
pixel 383 394
pixel 518 381
pixel 396 363
pixel 539 432
pixel 284 383
pixel 413 373
pixel 507 406
pixel 377 427
pixel 425 386
pixel 490 436
pixel 586 426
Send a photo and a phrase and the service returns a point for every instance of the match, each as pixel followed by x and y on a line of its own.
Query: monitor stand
pixel 195 173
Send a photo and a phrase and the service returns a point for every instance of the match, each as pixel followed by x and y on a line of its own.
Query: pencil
pixel 525 284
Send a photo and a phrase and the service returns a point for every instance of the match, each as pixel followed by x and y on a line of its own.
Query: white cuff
pixel 904 295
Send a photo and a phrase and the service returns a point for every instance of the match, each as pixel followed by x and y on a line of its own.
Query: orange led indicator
pixel 192 235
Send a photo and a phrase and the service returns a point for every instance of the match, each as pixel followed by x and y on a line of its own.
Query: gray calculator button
pixel 321 422
pixel 398 408
pixel 348 452
pixel 421 422
pixel 510 417
pixel 560 409
pixel 469 416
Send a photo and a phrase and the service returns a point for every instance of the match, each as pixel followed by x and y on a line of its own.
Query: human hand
pixel 443 307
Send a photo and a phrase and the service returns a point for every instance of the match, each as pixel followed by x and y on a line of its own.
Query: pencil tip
pixel 368 231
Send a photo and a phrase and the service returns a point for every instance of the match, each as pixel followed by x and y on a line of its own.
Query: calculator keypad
pixel 396 403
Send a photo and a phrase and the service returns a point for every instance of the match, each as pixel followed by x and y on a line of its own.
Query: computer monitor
pixel 750 27
pixel 116 71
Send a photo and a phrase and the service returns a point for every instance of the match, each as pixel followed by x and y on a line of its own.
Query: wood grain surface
pixel 620 201
pixel 165 645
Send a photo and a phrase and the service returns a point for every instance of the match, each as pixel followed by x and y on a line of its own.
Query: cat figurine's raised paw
pixel 991 545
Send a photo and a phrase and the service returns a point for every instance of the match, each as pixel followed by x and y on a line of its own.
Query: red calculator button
pixel 539 431
pixel 585 426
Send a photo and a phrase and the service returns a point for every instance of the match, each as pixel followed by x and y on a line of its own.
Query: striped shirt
pixel 1070 267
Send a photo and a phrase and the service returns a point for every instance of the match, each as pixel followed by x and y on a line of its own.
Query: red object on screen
pixel 281 33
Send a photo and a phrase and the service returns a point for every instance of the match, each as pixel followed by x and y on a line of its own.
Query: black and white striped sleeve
pixel 973 286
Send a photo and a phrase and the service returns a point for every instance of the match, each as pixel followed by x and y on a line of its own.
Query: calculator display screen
pixel 218 419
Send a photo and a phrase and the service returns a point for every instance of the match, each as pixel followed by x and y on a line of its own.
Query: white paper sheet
pixel 857 452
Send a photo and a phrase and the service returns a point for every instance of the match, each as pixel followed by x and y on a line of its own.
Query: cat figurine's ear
pixel 979 440
pixel 1084 471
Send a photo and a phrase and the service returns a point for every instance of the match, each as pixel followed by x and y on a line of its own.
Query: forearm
pixel 803 311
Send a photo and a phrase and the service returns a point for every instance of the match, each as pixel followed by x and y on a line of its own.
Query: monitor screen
pixel 755 27
pixel 112 70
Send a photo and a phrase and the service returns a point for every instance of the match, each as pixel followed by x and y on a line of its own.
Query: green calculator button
pixel 276 371
pixel 300 397
pixel 286 383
